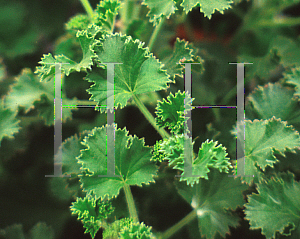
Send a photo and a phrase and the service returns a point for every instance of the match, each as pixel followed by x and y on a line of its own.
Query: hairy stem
pixel 155 33
pixel 128 9
pixel 130 203
pixel 184 221
pixel 149 117
pixel 88 8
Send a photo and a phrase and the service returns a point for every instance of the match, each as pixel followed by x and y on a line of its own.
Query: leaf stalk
pixel 130 203
pixel 88 8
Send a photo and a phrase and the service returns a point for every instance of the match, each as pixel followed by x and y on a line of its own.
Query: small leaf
pixel 208 7
pixel 159 8
pixel 132 162
pixel 113 230
pixel 91 211
pixel 86 37
pixel 140 72
pixel 213 201
pixel 171 112
pixel 136 230
pixel 276 207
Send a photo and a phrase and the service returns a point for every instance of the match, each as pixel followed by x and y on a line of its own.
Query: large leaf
pixel 208 7
pixel 273 100
pixel 213 200
pixel 276 207
pixel 140 72
pixel 9 125
pixel 263 138
pixel 132 162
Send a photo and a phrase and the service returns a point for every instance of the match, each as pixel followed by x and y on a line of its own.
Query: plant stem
pixel 127 12
pixel 88 8
pixel 130 203
pixel 149 117
pixel 184 221
pixel 155 33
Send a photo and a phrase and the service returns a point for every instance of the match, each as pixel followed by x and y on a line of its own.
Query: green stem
pixel 88 8
pixel 128 9
pixel 184 221
pixel 155 33
pixel 283 21
pixel 130 203
pixel 149 117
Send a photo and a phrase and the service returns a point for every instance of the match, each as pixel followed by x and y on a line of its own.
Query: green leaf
pixel 171 112
pixel 159 8
pixel 132 162
pixel 140 72
pixel 27 90
pixel 293 77
pixel 78 23
pixel 213 200
pixel 136 230
pixel 208 7
pixel 273 100
pixel 184 53
pixel 113 230
pixel 86 38
pixel 92 212
pixel 276 207
pixel 263 138
pixel 9 125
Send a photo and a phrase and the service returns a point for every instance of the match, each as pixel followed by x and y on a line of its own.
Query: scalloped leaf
pixel 140 72
pixel 29 92
pixel 183 52
pixel 213 201
pixel 208 7
pixel 9 125
pixel 263 138
pixel 276 207
pixel 86 37
pixel 132 162
pixel 105 13
pixel 273 100
pixel 92 212
pixel 171 112
pixel 136 230
pixel 78 22
pixel 113 230
pixel 293 77
pixel 159 8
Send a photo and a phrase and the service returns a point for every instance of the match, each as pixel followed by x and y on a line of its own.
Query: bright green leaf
pixel 132 162
pixel 92 212
pixel 140 72
pixel 276 207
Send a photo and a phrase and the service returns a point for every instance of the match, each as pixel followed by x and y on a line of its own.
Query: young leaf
pixel 263 138
pixel 293 77
pixel 263 105
pixel 113 230
pixel 105 13
pixel 132 162
pixel 276 207
pixel 171 112
pixel 208 7
pixel 86 38
pixel 213 201
pixel 140 72
pixel 183 52
pixel 159 8
pixel 136 230
pixel 9 125
pixel 91 211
